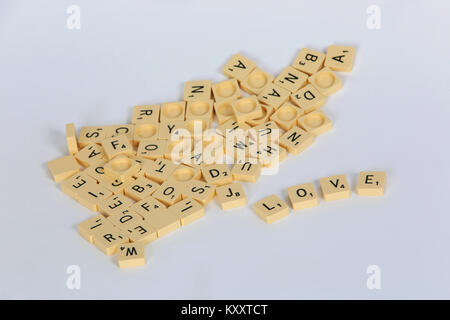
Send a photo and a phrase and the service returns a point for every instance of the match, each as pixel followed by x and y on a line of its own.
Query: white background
pixel 392 115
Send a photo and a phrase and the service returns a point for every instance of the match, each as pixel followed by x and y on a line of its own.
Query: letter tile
pixel 71 138
pixel 255 81
pixel 226 90
pixel 315 122
pixel 303 196
pixel 326 82
pixel 309 61
pixel 200 191
pixel 173 111
pixel 296 140
pixel 187 210
pixel 146 114
pixel 238 67
pixel 141 188
pixel 335 187
pixel 231 196
pixel 197 90
pixel 118 145
pixel 114 204
pixel 291 79
pixel 308 98
pixel 91 155
pixel 371 183
pixel 217 174
pixel 91 135
pixel 340 58
pixel 273 95
pixel 131 255
pixel 63 168
pixel 271 209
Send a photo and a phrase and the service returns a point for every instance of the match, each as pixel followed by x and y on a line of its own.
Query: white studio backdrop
pixel 392 114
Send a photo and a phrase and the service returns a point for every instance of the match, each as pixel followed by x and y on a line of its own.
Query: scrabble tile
pixel 114 204
pixel 273 95
pixel 131 255
pixel 315 122
pixel 141 161
pixel 371 183
pixel 271 154
pixel 169 127
pixel 134 226
pixel 291 79
pixel 121 168
pixel 197 90
pixel 217 174
pixel 224 111
pixel 97 171
pixel 238 67
pixel 141 188
pixel 90 155
pixel 91 135
pixel 247 171
pixel 71 138
pixel 247 108
pixel 109 238
pixel 121 129
pixel 63 168
pixel 187 210
pixel 173 111
pixel 179 150
pixel 296 140
pixel 145 131
pixel 303 196
pixel 146 114
pixel 200 191
pixel 91 196
pixel 152 149
pixel 340 58
pixel 309 61
pixel 73 185
pixel 159 170
pixel 114 185
pixel 163 221
pixel 335 187
pixel 241 148
pixel 226 90
pixel 268 131
pixel 286 116
pixel 183 149
pixel 184 173
pixel 231 196
pixel 117 145
pixel 196 127
pixel 267 111
pixel 255 81
pixel 140 232
pixel 212 152
pixel 271 209
pixel 123 218
pixel 169 192
pixel 179 134
pixel 148 206
pixel 200 110
pixel 91 226
pixel 308 98
pixel 190 155
pixel 233 127
pixel 326 81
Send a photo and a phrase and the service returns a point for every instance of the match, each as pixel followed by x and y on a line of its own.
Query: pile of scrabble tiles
pixel 151 177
